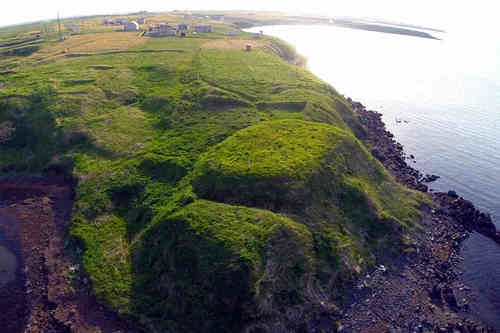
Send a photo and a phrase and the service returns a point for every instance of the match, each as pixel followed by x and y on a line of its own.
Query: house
pixel 183 27
pixel 131 26
pixel 161 30
pixel 74 28
pixel 141 20
pixel 217 17
pixel 202 28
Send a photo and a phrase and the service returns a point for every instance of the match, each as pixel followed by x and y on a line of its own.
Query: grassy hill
pixel 218 190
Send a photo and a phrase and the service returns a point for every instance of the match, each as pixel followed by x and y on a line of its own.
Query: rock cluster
pixel 421 291
pixel 388 151
pixel 392 155
pixel 464 212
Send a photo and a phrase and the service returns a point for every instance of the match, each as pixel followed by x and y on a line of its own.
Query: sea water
pixel 441 100
pixel 8 266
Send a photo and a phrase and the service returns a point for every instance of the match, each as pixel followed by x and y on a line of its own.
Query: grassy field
pixel 218 190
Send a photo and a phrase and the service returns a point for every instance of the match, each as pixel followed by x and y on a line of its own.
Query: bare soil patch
pixel 34 217
pixel 102 42
pixel 91 43
pixel 234 44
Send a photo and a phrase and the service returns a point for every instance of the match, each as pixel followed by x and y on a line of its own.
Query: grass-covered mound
pixel 320 176
pixel 259 165
pixel 213 267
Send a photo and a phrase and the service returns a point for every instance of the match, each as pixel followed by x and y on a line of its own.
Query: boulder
pixel 422 187
pixel 449 297
pixel 497 237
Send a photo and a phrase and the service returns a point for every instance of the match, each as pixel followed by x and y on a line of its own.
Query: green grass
pixel 222 263
pixel 279 149
pixel 106 239
pixel 320 176
pixel 217 189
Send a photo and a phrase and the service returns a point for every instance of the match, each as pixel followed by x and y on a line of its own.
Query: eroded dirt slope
pixel 34 216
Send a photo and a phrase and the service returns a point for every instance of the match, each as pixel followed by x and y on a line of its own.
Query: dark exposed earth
pixel 45 296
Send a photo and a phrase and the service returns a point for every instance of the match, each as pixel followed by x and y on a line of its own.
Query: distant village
pixel 164 29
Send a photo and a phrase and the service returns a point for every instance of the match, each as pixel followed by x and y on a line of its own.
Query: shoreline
pixel 392 155
pixel 357 24
pixel 421 291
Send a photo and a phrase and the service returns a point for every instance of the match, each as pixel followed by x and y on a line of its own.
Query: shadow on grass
pixel 33 142
pixel 188 297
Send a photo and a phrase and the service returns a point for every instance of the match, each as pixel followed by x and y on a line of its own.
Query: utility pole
pixel 59 26
pixel 43 30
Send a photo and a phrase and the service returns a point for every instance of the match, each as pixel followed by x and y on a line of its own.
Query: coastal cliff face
pixel 216 190
pixel 420 290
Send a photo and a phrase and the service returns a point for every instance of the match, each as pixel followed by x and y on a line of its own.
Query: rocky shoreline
pixel 391 154
pixel 422 290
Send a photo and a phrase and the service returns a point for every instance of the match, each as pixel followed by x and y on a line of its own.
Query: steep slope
pixel 216 268
pixel 218 190
pixel 233 268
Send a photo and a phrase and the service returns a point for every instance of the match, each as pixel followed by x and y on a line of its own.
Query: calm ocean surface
pixel 448 91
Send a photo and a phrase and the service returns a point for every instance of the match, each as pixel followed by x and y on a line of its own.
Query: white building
pixel 217 17
pixel 161 30
pixel 75 28
pixel 202 28
pixel 131 26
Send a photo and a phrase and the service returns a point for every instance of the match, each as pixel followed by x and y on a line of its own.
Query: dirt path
pixel 34 217
pixel 234 44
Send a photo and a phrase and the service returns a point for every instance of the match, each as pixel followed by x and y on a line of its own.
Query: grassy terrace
pixel 217 190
